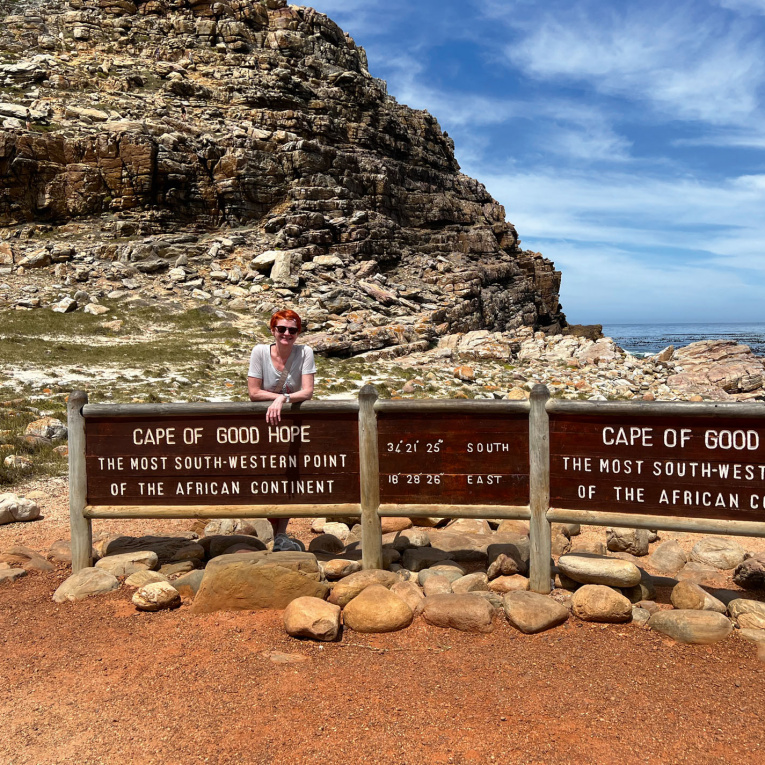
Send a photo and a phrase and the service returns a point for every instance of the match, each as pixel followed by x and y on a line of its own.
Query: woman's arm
pixel 274 412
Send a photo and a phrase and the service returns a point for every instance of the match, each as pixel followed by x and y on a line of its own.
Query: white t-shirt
pixel 299 363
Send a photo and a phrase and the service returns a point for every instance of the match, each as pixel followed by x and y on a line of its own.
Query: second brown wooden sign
pixel 695 467
pixel 454 458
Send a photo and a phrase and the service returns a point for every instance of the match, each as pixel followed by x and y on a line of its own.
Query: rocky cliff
pixel 241 153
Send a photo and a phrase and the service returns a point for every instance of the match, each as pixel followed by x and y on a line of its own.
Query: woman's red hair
pixel 286 316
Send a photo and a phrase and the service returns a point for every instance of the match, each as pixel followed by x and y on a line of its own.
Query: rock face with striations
pixel 155 122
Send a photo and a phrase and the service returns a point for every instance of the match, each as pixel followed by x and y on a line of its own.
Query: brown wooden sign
pixel 231 459
pixel 453 458
pixel 676 466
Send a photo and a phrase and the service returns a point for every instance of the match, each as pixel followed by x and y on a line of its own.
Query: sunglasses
pixel 281 330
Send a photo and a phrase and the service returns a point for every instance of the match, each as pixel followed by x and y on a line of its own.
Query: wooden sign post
pixel 690 467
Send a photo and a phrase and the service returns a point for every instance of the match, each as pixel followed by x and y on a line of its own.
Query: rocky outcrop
pixel 153 124
pixel 718 369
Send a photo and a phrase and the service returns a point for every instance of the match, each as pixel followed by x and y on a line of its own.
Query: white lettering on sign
pixel 217 462
pixel 151 489
pixel 414 479
pixel 286 434
pixel 671 438
pixel 631 494
pixel 621 466
pixel 154 436
pixel 292 487
pixel 578 464
pixel 201 488
pixel 410 447
pixel 238 435
pixel 489 480
pixel 192 435
pixel 585 492
pixel 627 436
pixel 197 463
pixel 111 463
pixel 147 463
pixel 487 448
pixel 698 498
pixel 739 440
pixel 724 470
pixel 118 489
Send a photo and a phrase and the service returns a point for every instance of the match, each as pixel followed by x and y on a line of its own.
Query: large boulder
pixel 83 584
pixel 750 574
pixel 587 568
pixel 598 603
pixel 469 526
pixel 47 427
pixel 11 574
pixel 411 594
pixel 403 540
pixel 377 609
pixel 668 557
pixel 221 544
pixel 718 552
pixel 327 543
pixel 258 580
pixel 749 614
pixel 417 558
pixel 351 586
pixel 164 547
pixel 14 508
pixel 688 596
pixel 312 618
pixel 436 585
pixel 701 627
pixel 700 573
pixel 258 527
pixel 717 364
pixel 633 541
pixel 468 613
pixel 503 584
pixel 29 560
pixel 505 565
pixel 156 596
pixel 476 582
pixel 339 568
pixel 126 564
pixel 394 524
pixel 188 585
pixel 531 612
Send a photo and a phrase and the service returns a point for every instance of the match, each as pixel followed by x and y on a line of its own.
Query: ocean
pixel 646 339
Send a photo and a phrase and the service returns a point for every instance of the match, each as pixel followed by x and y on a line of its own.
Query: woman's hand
pixel 274 412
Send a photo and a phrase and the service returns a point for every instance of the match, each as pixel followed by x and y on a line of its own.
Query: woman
pixel 281 372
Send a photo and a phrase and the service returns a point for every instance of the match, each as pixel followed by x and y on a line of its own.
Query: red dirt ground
pixel 99 682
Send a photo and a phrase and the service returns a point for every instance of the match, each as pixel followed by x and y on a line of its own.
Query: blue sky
pixel 626 140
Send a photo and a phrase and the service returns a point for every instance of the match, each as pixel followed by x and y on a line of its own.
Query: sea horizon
pixel 649 338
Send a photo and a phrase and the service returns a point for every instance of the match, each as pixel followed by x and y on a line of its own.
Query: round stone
pixel 377 609
pixel 596 569
pixel 718 552
pixel 598 603
pixel 700 627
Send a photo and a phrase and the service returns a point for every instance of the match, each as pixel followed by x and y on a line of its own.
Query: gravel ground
pixel 99 682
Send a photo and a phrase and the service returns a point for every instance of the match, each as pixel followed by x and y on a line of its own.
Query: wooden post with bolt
pixel 81 531
pixel 369 480
pixel 539 491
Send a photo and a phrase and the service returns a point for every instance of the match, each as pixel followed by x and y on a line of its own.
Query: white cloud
pixel 745 6
pixel 631 247
pixel 684 63
pixel 604 284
